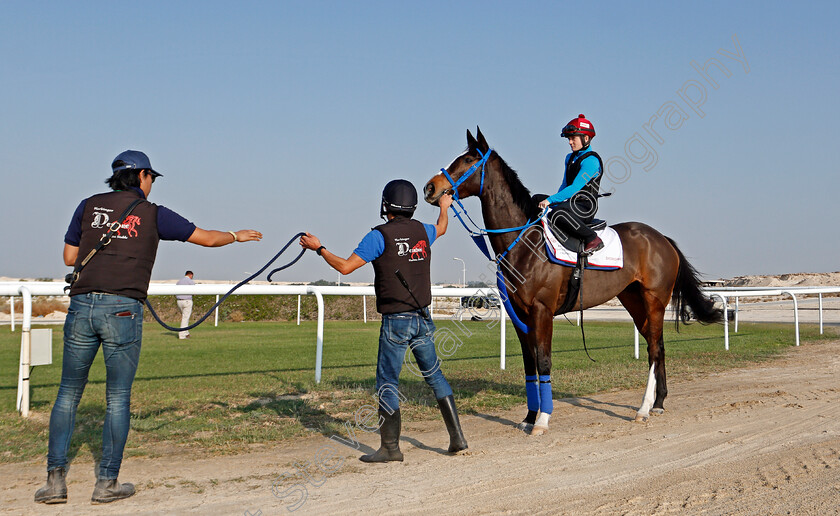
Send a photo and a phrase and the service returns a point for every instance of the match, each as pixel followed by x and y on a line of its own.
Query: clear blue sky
pixel 290 116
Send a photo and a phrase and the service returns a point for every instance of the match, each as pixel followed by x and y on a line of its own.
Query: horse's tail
pixel 687 299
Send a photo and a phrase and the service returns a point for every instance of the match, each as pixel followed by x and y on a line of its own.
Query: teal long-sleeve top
pixel 590 168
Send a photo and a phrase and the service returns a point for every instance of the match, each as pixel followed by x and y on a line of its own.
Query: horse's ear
pixel 471 143
pixel 482 143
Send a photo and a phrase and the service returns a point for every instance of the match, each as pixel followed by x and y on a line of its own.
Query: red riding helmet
pixel 578 126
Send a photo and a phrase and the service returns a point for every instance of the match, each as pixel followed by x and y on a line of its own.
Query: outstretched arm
pixel 344 266
pixel 213 238
pixel 444 202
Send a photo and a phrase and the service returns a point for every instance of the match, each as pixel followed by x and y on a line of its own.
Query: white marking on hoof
pixel 541 426
pixel 640 418
pixel 647 401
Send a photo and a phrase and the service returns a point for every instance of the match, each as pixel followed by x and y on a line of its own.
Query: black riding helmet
pixel 399 198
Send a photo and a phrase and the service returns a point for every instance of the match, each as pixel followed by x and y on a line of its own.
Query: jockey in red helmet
pixel 575 203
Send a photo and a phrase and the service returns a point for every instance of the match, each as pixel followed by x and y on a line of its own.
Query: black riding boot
pixel 389 434
pixel 56 489
pixel 457 442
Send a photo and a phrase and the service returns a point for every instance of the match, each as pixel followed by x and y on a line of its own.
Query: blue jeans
pixel 116 323
pixel 399 333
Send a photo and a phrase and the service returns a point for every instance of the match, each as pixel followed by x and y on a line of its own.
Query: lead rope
pixel 231 291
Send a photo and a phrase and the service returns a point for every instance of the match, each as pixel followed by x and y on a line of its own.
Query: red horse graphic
pixel 130 222
pixel 418 252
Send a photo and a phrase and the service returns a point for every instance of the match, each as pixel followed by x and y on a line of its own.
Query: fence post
pixel 364 306
pixel 25 353
pixel 12 304
pixel 502 332
pixel 298 319
pixel 319 342
pixel 725 320
pixel 216 321
pixel 636 341
pixel 821 315
pixel 795 313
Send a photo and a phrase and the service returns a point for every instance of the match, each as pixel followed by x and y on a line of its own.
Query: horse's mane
pixel 521 194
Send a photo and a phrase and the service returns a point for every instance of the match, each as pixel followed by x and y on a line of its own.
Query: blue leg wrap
pixel 546 401
pixel 532 390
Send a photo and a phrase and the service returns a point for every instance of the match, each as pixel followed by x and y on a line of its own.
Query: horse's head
pixel 466 171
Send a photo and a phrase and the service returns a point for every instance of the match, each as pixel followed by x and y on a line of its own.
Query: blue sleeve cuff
pixel 371 247
pixel 74 230
pixel 431 232
pixel 172 226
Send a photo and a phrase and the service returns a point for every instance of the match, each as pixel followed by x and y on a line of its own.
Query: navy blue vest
pixel 591 188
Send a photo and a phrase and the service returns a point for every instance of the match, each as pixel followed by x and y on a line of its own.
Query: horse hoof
pixel 539 430
pixel 657 411
pixel 525 427
pixel 640 418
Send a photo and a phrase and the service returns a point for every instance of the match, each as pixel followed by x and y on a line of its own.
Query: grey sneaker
pixel 56 489
pixel 111 491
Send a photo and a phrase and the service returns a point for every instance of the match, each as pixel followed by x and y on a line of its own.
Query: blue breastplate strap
pixel 500 284
pixel 517 322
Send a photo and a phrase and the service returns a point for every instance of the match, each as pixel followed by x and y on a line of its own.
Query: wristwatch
pixel 319 250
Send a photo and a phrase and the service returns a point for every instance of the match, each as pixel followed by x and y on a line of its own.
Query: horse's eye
pixel 468 160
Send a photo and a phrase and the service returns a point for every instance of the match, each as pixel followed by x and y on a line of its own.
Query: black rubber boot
pixel 56 489
pixel 457 442
pixel 389 434
pixel 110 491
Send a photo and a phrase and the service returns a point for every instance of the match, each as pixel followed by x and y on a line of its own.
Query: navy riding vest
pixel 591 188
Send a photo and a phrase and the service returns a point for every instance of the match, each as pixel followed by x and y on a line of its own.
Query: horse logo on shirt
pixel 418 252
pixel 130 223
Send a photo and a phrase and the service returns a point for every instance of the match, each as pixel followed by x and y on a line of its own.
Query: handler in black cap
pixel 401 253
pixel 106 308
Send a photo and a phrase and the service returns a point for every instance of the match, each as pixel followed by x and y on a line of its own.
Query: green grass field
pixel 244 383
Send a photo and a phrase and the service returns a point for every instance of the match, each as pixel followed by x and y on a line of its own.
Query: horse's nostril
pixel 430 189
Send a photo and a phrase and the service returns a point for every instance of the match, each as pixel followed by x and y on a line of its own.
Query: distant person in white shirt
pixel 185 304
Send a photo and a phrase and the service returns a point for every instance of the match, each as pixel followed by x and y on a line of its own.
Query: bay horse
pixel 654 272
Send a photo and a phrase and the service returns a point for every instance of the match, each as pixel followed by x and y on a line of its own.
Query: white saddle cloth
pixel 610 257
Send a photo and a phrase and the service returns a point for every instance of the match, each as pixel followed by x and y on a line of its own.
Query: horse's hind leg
pixel 648 314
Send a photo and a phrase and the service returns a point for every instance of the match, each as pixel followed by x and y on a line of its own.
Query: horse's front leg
pixel 543 325
pixel 531 383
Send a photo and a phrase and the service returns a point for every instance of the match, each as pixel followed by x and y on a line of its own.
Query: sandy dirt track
pixel 762 440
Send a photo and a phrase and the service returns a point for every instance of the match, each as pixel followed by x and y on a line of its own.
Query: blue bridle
pixel 468 174
pixel 478 235
pixel 479 231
